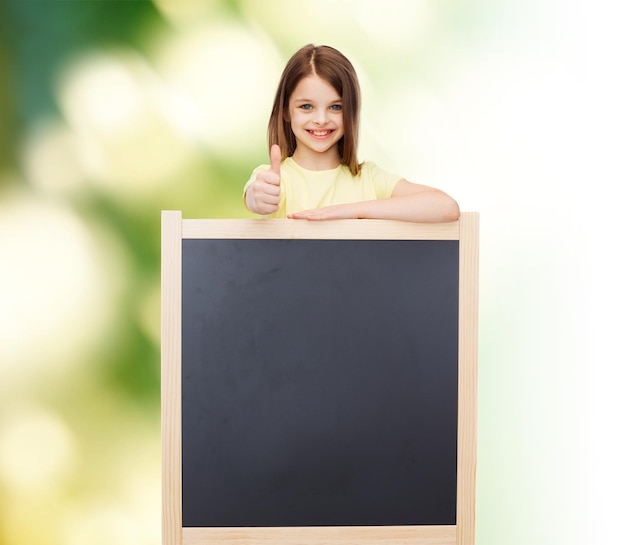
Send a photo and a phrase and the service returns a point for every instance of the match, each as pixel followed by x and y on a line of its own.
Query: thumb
pixel 275 159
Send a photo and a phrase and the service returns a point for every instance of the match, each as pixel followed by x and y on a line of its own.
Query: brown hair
pixel 333 67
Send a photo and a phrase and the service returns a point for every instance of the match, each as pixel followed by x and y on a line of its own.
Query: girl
pixel 314 172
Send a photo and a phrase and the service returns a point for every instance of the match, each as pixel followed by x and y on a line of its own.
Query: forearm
pixel 432 206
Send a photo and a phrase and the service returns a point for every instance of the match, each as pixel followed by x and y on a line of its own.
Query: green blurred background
pixel 111 111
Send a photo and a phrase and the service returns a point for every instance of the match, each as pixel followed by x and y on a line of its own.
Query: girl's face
pixel 316 116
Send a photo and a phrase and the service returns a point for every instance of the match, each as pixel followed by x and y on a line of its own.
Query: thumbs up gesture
pixel 263 195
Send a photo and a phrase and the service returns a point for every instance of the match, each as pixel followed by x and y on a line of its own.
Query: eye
pixel 336 107
pixel 306 107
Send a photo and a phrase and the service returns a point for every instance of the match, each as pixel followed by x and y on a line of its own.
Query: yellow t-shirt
pixel 302 189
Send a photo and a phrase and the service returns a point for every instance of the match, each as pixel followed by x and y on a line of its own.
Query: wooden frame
pixel 174 230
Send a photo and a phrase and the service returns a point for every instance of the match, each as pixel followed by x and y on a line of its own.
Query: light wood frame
pixel 174 230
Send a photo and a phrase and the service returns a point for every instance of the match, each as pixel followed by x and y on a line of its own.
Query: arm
pixel 408 202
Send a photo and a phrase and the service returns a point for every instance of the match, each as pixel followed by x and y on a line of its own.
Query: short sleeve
pixel 382 180
pixel 260 168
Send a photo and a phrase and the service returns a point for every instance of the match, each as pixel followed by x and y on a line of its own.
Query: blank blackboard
pixel 319 380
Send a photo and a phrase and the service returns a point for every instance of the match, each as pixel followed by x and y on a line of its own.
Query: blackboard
pixel 318 380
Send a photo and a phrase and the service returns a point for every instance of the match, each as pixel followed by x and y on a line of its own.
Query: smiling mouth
pixel 320 134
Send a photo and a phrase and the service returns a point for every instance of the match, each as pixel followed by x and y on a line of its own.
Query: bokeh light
pixel 51 158
pixel 224 75
pixel 128 144
pixel 37 451
pixel 58 282
pixel 395 24
pixel 185 13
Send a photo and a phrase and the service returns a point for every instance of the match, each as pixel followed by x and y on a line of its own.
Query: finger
pixel 265 180
pixel 267 208
pixel 275 158
pixel 269 188
pixel 269 199
pixel 301 215
pixel 325 213
pixel 266 192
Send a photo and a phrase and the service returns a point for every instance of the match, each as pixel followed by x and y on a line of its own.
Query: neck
pixel 317 161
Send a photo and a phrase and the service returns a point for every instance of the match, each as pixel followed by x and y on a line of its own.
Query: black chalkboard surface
pixel 319 382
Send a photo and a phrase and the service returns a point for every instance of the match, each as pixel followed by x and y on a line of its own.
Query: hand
pixel 336 212
pixel 263 195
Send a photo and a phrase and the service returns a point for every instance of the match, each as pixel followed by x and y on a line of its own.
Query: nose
pixel 321 117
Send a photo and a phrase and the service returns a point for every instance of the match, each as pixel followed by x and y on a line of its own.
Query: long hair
pixel 333 67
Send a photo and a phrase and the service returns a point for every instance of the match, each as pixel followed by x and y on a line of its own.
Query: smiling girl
pixel 314 172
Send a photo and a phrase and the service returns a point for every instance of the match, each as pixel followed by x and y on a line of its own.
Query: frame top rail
pixel 352 229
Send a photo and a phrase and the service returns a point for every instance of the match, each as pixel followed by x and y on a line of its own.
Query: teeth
pixel 320 133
